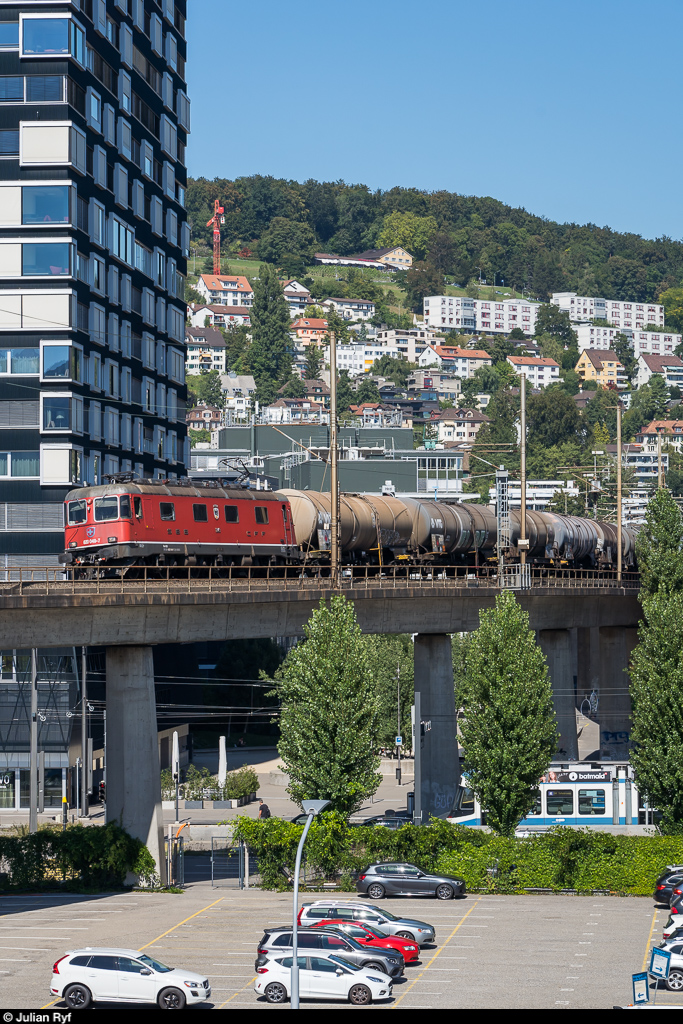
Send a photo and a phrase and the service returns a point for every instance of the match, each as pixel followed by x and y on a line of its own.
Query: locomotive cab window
pixel 106 508
pixel 231 513
pixel 77 513
pixel 167 510
pixel 137 506
pixel 200 514
pixel 124 505
pixel 261 514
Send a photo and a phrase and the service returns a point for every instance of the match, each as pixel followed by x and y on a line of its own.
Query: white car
pixel 89 974
pixel 321 977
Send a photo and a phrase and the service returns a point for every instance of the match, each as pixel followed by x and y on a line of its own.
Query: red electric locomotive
pixel 149 523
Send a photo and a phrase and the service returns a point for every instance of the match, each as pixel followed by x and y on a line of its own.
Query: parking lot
pixel 491 951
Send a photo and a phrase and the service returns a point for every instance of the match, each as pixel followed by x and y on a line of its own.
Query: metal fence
pixel 231 864
pixel 41 580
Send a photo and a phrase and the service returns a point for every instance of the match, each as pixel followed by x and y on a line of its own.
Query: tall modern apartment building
pixel 94 119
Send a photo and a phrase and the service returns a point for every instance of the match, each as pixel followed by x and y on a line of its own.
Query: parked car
pixel 324 976
pixel 667 881
pixel 675 980
pixel 380 880
pixel 349 910
pixel 124 975
pixel 373 937
pixel 277 942
pixel 674 923
pixel 384 821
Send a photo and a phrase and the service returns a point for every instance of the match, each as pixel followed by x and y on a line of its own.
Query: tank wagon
pixel 168 523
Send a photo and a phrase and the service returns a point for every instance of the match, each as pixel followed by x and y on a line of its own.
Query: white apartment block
pixel 351 309
pixel 620 314
pixel 225 289
pixel 461 362
pixel 458 313
pixel 358 359
pixel 643 342
pixel 538 371
pixel 205 350
pixel 410 343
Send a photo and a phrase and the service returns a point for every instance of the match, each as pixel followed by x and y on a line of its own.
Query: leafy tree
pixel 656 671
pixel 551 347
pixel 205 387
pixel 623 349
pixel 345 396
pixel 552 417
pixel 649 403
pixel 314 362
pixel 192 295
pixel 551 463
pixel 672 300
pixel 199 437
pixel 269 355
pixel 330 711
pixel 397 370
pixel 237 340
pixel 422 279
pixel 601 436
pixel 413 233
pixel 570 382
pixel 567 504
pixel 441 251
pixel 315 312
pixel 367 392
pixel 674 474
pixel 338 326
pixel 517 334
pixel 286 238
pixel 293 388
pixel 509 731
pixel 552 320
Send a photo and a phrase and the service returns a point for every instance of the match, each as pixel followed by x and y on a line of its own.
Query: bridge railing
pixel 233 579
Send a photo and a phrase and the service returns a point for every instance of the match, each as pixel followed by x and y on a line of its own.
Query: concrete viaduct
pixel 586 629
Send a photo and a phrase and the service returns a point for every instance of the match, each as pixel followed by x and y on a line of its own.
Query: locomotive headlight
pixel 111 540
pixel 73 544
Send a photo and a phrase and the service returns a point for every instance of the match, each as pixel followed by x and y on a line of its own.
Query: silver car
pixel 349 910
pixel 277 942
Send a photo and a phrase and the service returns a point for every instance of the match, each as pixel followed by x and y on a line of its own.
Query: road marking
pixel 647 948
pixel 169 930
pixel 425 969
pixel 249 984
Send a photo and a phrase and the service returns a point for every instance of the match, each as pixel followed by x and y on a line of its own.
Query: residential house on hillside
pixel 202 315
pixel 295 410
pixel 459 424
pixel 602 367
pixel 618 313
pixel 410 343
pixel 428 382
pixel 643 459
pixel 351 309
pixel 539 371
pixel 225 289
pixel 360 358
pixel 378 414
pixel 461 362
pixel 205 350
pixel 297 296
pixel 393 258
pixel 239 391
pixel 670 431
pixel 668 367
pixel 481 316
pixel 204 417
pixel 316 391
pixel 642 342
pixel 309 330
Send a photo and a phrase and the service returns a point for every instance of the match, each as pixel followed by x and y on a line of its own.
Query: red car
pixel 368 935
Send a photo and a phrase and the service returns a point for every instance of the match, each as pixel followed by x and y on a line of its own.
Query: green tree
pixel 567 504
pixel 287 238
pixel 367 392
pixel 623 349
pixel 237 341
pixel 552 417
pixel 387 655
pixel 422 279
pixel 509 731
pixel 649 403
pixel 656 670
pixel 412 232
pixel 315 312
pixel 206 387
pixel 338 326
pixel 199 437
pixel 672 300
pixel 314 362
pixel 397 370
pixel 552 320
pixel 269 354
pixel 345 396
pixel 330 711
pixel 293 388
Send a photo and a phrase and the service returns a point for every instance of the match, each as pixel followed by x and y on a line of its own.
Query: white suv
pixel 84 975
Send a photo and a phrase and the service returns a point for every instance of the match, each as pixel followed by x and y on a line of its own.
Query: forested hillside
pixel 284 221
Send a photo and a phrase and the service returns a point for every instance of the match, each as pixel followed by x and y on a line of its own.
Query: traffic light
pixel 102 792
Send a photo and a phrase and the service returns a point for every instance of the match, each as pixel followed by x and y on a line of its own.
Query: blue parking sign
pixel 660 962
pixel 641 992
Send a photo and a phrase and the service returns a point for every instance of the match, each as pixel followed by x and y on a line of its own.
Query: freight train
pixel 165 523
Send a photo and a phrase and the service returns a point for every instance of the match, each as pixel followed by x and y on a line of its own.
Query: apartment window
pixel 95 421
pixel 147 160
pixel 22 362
pixel 121 186
pixel 138 203
pixel 109 124
pixel 47 259
pixel 99 166
pixel 44 143
pixel 9 143
pixel 98 275
pixel 113 332
pixel 122 241
pixel 61 465
pixel 113 290
pixel 61 362
pixel 148 350
pixel 17 464
pixel 169 141
pixel 97 223
pixel 12 89
pixel 52 37
pixel 157 215
pixel 94 108
pixel 125 138
pixel 125 384
pixel 61 412
pixel 97 324
pixel 9 35
pixel 125 92
pixel 126 338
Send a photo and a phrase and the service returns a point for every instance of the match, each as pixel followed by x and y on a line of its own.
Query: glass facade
pixel 45 204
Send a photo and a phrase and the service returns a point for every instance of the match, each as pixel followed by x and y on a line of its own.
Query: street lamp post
pixel 311 807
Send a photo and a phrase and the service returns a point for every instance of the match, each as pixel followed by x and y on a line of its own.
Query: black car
pixel 398 879
pixel 669 880
pixel 277 942
pixel 384 821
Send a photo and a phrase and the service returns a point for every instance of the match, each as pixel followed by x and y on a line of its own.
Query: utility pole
pixel 522 545
pixel 334 482
pixel 618 490
pixel 33 784
pixel 398 720
pixel 660 475
pixel 84 734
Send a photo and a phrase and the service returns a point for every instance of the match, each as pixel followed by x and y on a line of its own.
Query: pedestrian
pixel 264 809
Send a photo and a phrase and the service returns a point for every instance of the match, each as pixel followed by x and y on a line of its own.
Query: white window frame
pixel 44 343
pixel 76 413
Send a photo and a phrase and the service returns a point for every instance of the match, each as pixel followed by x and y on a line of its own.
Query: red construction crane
pixel 216 220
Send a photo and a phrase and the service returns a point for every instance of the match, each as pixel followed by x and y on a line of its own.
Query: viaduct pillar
pixel 614 709
pixel 133 780
pixel 557 647
pixel 438 753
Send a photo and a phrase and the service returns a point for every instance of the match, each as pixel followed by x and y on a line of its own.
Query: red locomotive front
pixel 151 523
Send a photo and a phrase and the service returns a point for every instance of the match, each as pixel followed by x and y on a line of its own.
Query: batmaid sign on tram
pixel 580 795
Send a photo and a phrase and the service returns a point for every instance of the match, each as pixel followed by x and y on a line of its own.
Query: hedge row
pixel 89 857
pixel 564 858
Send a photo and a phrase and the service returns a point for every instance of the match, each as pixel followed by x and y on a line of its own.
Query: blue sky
pixel 567 109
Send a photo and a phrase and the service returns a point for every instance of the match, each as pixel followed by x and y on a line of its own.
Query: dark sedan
pixel 380 880
pixel 669 880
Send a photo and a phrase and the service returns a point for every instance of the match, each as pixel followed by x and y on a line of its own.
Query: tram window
pixel 124 505
pixel 560 801
pixel 78 512
pixel 106 508
pixel 137 506
pixel 591 801
pixel 261 514
pixel 167 510
pixel 467 800
pixel 232 514
pixel 200 514
pixel 536 808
